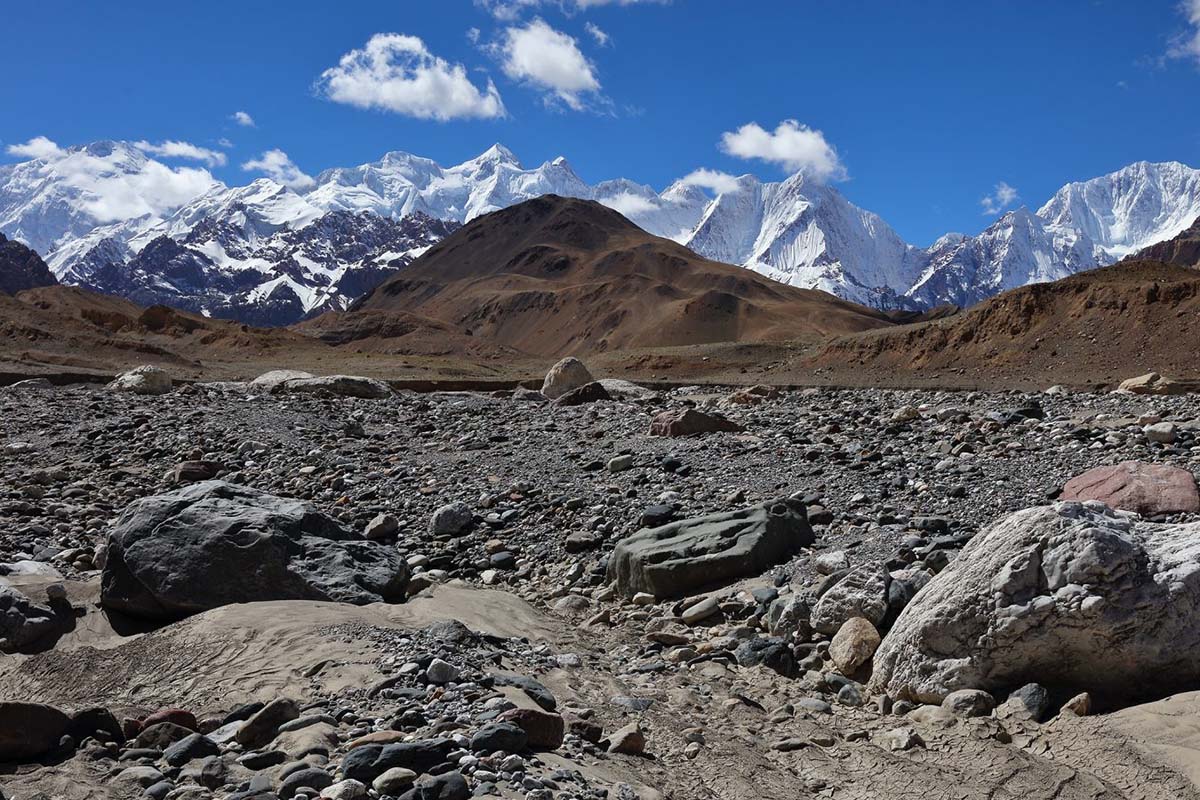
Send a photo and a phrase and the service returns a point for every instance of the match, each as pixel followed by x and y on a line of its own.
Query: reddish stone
pixel 688 422
pixel 1137 486
pixel 184 719
pixel 544 729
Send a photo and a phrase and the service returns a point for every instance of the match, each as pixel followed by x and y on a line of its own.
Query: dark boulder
pixel 213 543
pixel 680 557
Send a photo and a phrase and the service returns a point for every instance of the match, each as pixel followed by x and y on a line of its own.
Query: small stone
pixel 853 644
pixel 969 703
pixel 698 612
pixel 628 740
pixel 394 781
pixel 382 527
pixel 1080 705
pixel 440 672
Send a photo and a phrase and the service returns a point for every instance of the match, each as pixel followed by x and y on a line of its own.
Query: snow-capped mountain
pixel 1085 225
pixel 108 216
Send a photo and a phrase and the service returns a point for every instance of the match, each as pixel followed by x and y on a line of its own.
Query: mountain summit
pixel 92 211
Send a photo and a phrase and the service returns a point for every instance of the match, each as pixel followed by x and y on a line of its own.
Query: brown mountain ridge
pixel 555 276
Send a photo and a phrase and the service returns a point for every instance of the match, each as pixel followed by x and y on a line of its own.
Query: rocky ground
pixel 515 667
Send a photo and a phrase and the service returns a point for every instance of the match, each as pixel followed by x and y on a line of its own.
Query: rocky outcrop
pixel 21 268
pixel 681 556
pixel 146 379
pixel 214 543
pixel 1072 595
pixel 1137 486
pixel 29 730
pixel 567 375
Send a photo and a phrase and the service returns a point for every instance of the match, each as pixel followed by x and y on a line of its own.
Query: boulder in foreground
pixel 1073 595
pixel 566 376
pixel 146 379
pixel 681 556
pixel 215 543
pixel 1137 486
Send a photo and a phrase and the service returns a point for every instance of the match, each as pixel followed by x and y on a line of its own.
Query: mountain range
pixel 110 218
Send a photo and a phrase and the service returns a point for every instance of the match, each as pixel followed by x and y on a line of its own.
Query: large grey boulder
pixel 1072 595
pixel 340 385
pixel 681 556
pixel 146 379
pixel 213 543
pixel 269 380
pixel 565 376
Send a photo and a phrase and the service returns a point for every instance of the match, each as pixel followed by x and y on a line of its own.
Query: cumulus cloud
pixel 37 147
pixel 175 149
pixel 397 73
pixel 795 147
pixel 1187 45
pixel 277 166
pixel 1001 198
pixel 711 179
pixel 629 204
pixel 550 60
pixel 243 119
pixel 597 33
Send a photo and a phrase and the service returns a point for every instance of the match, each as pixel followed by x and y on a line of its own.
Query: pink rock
pixel 1137 486
pixel 689 422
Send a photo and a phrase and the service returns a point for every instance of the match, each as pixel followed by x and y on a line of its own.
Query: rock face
pixel 340 385
pixel 681 556
pixel 566 376
pixel 689 422
pixel 1137 486
pixel 1069 595
pixel 215 543
pixel 146 379
pixel 21 268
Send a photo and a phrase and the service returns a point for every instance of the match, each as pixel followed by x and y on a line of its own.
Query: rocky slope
pixel 1182 250
pixel 89 208
pixel 516 667
pixel 558 275
pixel 1100 326
pixel 21 268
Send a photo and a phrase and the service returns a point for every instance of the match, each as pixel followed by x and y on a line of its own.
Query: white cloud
pixel 1000 199
pixel 394 72
pixel 550 60
pixel 243 119
pixel 629 204
pixel 1187 45
pixel 711 179
pixel 597 33
pixel 795 147
pixel 511 10
pixel 37 147
pixel 174 149
pixel 277 166
pixel 473 35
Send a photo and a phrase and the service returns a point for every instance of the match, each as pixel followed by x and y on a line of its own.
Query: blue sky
pixel 925 107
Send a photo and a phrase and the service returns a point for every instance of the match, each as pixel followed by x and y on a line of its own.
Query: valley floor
pixel 874 465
